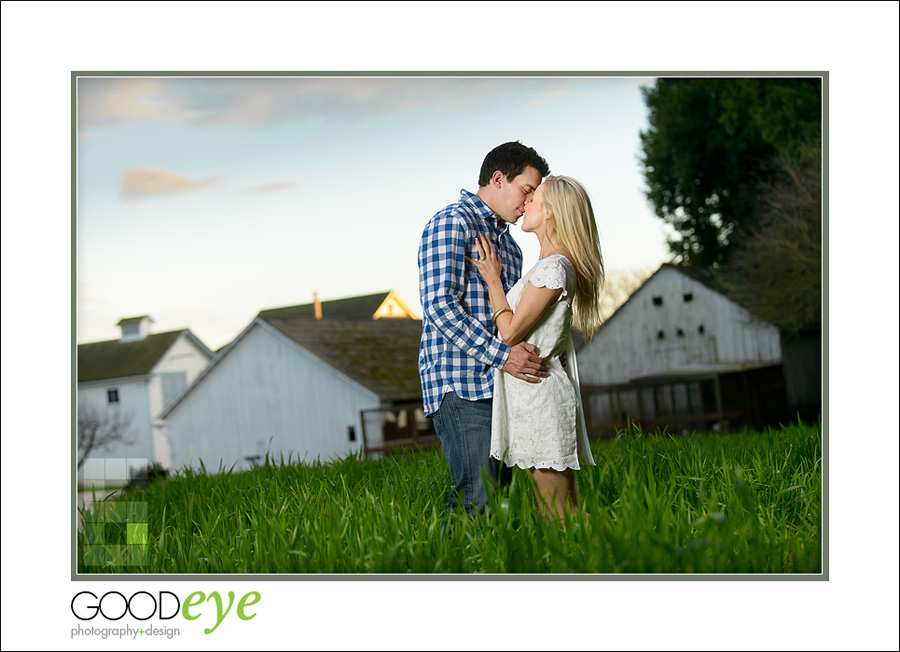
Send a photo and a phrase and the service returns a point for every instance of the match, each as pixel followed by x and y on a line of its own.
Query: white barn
pixel 676 332
pixel 129 381
pixel 301 382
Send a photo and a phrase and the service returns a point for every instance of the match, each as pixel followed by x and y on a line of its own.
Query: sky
pixel 203 200
pixel 855 43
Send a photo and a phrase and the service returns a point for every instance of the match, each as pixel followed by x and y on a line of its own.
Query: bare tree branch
pixel 620 285
pixel 777 270
pixel 99 429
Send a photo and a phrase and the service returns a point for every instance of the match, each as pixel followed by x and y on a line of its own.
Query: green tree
pixel 711 144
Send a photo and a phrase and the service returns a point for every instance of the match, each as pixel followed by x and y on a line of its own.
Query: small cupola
pixel 135 328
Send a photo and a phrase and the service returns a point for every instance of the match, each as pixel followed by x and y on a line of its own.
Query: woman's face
pixel 534 212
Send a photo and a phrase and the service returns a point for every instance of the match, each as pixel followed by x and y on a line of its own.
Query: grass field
pixel 703 503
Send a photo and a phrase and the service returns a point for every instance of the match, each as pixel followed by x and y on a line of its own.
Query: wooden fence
pixel 687 402
pixel 389 430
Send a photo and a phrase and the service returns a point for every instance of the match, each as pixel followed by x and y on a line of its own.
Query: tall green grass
pixel 703 503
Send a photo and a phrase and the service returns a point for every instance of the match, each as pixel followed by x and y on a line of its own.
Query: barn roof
pixel 115 359
pixel 710 278
pixel 715 280
pixel 350 308
pixel 699 371
pixel 381 355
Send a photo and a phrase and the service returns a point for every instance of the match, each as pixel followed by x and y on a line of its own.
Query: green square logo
pixel 136 534
pixel 116 531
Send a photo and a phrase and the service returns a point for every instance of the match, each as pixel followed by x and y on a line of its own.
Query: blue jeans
pixel 465 431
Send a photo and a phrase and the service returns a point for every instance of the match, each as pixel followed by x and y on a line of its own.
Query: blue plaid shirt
pixel 459 349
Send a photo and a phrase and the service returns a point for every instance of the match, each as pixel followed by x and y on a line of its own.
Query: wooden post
pixel 640 403
pixel 365 444
pixel 719 401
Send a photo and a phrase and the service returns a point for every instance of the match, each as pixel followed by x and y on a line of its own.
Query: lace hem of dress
pixel 556 465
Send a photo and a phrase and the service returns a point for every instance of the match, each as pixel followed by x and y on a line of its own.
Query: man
pixel 460 351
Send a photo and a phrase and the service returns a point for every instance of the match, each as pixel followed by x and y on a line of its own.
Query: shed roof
pixel 715 280
pixel 115 359
pixel 381 355
pixel 700 371
pixel 350 308
pixel 707 277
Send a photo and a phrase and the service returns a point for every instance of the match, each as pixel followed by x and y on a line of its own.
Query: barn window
pixel 701 330
pixel 688 297
pixel 351 433
pixel 112 396
pixel 680 333
pixel 660 335
pixel 657 301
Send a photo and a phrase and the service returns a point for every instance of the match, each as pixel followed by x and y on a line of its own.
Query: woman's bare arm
pixel 512 326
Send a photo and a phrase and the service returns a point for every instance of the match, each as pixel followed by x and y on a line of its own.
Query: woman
pixel 541 426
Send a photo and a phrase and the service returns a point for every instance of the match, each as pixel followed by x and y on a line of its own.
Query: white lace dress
pixel 542 425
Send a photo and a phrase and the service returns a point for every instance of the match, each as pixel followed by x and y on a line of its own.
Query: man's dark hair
pixel 511 159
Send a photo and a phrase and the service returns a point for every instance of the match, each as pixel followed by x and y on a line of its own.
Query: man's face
pixel 514 194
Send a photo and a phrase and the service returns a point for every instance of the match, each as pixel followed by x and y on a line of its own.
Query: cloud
pixel 86 296
pixel 262 101
pixel 113 100
pixel 271 187
pixel 146 182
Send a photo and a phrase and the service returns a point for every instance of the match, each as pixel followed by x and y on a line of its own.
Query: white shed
pixel 675 321
pixel 663 353
pixel 299 384
pixel 128 382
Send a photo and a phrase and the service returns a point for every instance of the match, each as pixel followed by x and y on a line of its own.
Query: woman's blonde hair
pixel 570 219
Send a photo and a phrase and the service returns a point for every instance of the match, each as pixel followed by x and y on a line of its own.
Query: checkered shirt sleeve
pixel 459 350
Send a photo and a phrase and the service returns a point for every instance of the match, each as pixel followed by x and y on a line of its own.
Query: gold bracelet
pixel 498 313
